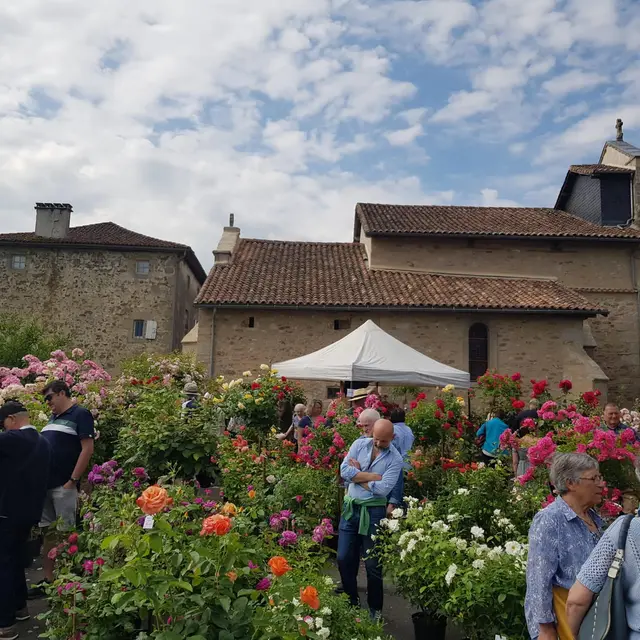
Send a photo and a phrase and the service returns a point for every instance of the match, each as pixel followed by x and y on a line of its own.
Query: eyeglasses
pixel 48 397
pixel 597 478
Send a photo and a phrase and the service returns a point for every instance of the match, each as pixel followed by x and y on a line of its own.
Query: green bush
pixel 20 336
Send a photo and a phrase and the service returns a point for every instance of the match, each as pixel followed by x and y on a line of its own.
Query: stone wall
pixel 185 316
pixel 594 265
pixel 536 345
pixel 95 296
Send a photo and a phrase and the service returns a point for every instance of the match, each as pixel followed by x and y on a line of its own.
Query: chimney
pixel 52 219
pixel 227 244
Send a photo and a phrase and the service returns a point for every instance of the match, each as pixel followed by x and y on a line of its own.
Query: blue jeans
pixel 350 545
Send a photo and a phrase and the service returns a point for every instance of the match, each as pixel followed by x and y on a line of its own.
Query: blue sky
pixel 165 117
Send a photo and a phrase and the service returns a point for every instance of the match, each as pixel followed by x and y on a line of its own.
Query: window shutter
pixel 151 330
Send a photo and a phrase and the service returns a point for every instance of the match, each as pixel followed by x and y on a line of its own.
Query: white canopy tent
pixel 369 353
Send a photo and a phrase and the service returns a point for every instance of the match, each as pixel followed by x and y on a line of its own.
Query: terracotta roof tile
pixel 105 235
pixel 388 219
pixel 305 274
pixel 594 169
pixel 101 234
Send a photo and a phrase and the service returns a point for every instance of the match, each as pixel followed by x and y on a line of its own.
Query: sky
pixel 165 116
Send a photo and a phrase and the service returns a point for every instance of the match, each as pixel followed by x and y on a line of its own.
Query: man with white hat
pixel 359 398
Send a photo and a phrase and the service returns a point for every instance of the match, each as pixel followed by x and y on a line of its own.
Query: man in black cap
pixel 24 472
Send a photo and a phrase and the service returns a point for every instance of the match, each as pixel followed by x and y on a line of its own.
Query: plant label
pixel 148 523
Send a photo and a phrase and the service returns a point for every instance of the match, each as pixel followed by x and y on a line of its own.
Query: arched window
pixel 478 350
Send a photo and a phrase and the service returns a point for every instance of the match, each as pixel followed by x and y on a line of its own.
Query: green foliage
pixel 20 336
pixel 182 367
pixel 160 435
pixel 254 403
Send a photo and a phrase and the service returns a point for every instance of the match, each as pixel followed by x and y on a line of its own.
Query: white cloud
pixel 402 137
pixel 573 81
pixel 165 119
pixel 491 198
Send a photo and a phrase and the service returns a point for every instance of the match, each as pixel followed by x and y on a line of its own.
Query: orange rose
pixel 153 500
pixel 229 509
pixel 279 566
pixel 309 595
pixel 252 494
pixel 217 524
pixel 232 575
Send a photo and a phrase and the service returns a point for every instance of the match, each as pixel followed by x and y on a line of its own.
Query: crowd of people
pixel 569 555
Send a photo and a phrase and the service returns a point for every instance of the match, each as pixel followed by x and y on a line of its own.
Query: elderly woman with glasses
pixel 561 538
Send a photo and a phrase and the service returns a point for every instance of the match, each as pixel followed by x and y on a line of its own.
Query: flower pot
pixel 428 626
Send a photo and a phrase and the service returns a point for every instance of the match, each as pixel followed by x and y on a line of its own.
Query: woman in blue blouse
pixel 561 538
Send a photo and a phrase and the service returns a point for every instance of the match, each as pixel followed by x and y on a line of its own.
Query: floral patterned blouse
pixel 559 544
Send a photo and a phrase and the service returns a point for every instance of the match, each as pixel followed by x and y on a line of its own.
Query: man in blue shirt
pixel 24 473
pixel 70 433
pixel 371 469
pixel 491 431
pixel 403 441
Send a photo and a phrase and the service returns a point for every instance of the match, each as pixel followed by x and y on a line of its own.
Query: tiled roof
pixel 388 219
pixel 105 235
pixel 306 274
pixel 595 169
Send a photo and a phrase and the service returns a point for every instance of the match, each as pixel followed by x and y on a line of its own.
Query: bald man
pixel 371 468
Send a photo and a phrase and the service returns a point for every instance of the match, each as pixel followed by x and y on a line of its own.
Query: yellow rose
pixel 247 396
pixel 247 374
pixel 259 400
pixel 240 405
pixel 448 389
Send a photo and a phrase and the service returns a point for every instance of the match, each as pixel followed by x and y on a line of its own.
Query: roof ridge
pixel 300 242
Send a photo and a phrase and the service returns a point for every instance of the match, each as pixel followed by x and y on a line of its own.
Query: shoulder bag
pixel 607 617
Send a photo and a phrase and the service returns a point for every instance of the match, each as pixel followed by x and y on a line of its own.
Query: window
pixel 19 262
pixel 143 267
pixel 186 321
pixel 341 325
pixel 252 322
pixel 478 350
pixel 333 392
pixel 138 328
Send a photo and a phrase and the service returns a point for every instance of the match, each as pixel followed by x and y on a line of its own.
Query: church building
pixel 549 292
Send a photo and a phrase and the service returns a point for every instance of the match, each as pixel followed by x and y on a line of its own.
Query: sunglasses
pixel 49 397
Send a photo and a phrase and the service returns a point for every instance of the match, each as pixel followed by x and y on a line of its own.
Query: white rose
pixel 397 513
pixel 264 367
pixel 325 611
pixel 478 564
pixel 393 525
pixel 462 492
pixel 513 548
pixel 271 479
pixel 497 512
pixel 477 532
pixel 324 632
pixel 247 374
pixel 451 572
pixel 328 580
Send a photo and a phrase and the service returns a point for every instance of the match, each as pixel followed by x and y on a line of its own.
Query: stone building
pixel 549 292
pixel 117 292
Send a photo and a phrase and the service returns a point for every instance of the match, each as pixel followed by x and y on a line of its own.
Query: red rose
pixel 72 550
pixel 517 404
pixel 73 538
pixel 440 404
pixel 283 379
pixel 516 377
pixel 565 385
pixel 451 415
pixel 255 385
pixel 414 405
